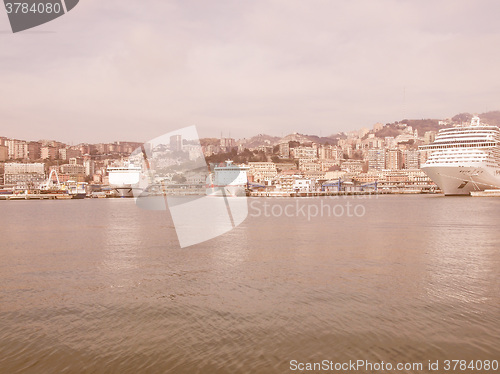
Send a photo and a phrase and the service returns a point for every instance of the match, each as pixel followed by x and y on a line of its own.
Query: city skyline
pixel 123 70
pixel 227 134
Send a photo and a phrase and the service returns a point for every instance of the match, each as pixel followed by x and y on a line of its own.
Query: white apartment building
pixel 262 171
pixel 303 185
pixel 17 149
pixel 304 152
pixel 352 166
pixel 330 152
pixel 306 164
pixel 16 173
pixel 411 159
pixel 376 159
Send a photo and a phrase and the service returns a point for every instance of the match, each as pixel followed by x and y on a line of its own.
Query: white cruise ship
pixel 124 179
pixel 228 180
pixel 465 158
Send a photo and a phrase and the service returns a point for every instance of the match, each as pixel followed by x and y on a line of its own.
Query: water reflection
pixel 461 263
pixel 110 289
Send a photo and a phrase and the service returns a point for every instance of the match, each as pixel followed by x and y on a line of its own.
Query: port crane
pixel 373 185
pixel 337 184
pixel 49 184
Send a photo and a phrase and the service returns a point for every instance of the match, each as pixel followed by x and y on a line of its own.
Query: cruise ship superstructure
pixel 466 158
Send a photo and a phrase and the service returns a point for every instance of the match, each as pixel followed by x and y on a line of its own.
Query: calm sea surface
pixel 100 286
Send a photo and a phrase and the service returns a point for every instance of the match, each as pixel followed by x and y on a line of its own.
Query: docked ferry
pixel 124 179
pixel 77 190
pixel 464 159
pixel 228 180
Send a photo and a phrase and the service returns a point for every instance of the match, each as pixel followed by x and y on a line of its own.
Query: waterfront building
pixel 315 175
pixel 303 185
pixel 394 159
pixel 352 166
pixel 4 153
pixel 286 179
pixel 368 177
pixel 411 159
pixel 262 171
pixel 376 159
pixel 23 173
pixel 334 174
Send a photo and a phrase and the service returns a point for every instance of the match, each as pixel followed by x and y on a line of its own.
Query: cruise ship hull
pixel 126 191
pixel 462 180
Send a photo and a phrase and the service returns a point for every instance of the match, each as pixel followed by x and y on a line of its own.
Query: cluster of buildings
pixel 293 164
pixel 25 164
pixel 358 159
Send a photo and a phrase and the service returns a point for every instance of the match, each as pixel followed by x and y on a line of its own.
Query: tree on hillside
pixel 462 117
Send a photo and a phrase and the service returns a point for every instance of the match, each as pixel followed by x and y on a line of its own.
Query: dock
pixel 45 196
pixel 486 193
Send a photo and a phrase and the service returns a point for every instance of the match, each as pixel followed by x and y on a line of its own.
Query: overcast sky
pixel 133 70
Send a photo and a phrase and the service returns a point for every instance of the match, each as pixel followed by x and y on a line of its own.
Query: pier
pixel 45 196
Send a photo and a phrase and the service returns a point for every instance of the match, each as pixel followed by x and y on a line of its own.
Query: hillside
pixel 259 140
pixel 304 139
pixel 423 125
pixel 391 129
pixel 491 118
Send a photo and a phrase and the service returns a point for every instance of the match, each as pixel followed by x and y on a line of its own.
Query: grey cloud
pixel 132 70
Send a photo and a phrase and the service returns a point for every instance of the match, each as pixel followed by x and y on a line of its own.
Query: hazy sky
pixel 132 70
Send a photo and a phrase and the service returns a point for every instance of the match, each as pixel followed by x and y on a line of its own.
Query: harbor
pixel 486 193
